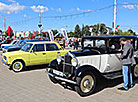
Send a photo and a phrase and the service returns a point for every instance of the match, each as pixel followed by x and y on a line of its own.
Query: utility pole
pixel 114 16
pixel 39 24
pixel 4 25
pixel 66 27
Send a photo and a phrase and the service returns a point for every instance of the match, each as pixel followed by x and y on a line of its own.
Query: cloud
pixel 128 6
pixel 52 9
pixel 25 15
pixel 59 10
pixel 41 8
pixel 78 9
pixel 11 0
pixel 13 8
pixel 90 10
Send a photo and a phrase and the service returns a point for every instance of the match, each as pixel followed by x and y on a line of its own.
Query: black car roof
pixel 108 37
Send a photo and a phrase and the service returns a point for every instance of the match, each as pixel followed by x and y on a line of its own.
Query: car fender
pixel 53 63
pixel 85 68
pixel 19 58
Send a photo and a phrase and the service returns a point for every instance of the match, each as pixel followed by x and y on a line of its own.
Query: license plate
pixel 57 72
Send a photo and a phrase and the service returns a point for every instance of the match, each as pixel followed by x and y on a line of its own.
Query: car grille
pixel 67 67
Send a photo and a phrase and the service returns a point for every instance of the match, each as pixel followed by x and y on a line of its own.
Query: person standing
pixel 128 61
pixel 76 44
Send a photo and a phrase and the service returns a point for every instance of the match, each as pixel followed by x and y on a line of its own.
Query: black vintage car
pixel 99 57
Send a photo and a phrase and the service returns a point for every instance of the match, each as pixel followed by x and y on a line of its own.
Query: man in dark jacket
pixel 128 61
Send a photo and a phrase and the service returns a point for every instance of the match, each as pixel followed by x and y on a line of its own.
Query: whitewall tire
pixel 17 66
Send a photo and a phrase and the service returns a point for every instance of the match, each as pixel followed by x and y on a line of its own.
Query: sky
pixel 23 15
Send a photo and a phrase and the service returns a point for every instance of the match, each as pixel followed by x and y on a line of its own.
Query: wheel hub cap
pixel 136 71
pixel 86 83
pixel 17 66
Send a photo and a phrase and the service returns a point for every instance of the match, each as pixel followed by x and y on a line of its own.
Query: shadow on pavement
pixel 101 84
pixel 36 67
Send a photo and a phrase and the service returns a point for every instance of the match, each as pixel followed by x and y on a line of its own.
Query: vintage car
pixel 32 53
pixel 84 67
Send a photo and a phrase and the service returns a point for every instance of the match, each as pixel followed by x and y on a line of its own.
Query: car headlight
pixel 74 62
pixel 59 58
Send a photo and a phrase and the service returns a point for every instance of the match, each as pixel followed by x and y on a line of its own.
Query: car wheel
pixel 85 84
pixel 17 66
pixel 135 71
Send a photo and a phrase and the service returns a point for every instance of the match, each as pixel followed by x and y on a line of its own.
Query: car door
pixel 114 62
pixel 52 51
pixel 38 54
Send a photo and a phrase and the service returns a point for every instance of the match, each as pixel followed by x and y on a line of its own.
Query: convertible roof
pixel 108 37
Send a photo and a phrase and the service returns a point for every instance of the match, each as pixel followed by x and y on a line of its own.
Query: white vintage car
pixel 81 68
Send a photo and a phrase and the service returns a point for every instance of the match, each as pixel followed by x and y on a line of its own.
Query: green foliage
pixel 70 34
pixel 120 32
pixel 77 32
pixel 85 31
pixel 99 29
pixel 54 32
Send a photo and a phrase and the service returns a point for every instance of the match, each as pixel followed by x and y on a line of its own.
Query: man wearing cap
pixel 128 61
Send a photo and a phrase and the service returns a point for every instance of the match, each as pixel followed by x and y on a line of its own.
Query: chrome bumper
pixel 60 78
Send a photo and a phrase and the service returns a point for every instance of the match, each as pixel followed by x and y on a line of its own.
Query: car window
pixel 51 47
pixel 26 47
pixel 38 48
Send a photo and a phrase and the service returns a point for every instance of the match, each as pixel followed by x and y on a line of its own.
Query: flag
pixel 64 33
pixel 117 27
pixel 30 36
pixel 14 35
pixel 51 35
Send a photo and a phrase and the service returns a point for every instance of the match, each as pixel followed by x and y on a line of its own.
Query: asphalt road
pixel 33 85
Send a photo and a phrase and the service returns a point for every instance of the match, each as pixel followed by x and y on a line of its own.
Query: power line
pixel 70 15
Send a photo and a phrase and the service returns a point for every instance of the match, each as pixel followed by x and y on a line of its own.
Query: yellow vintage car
pixel 33 53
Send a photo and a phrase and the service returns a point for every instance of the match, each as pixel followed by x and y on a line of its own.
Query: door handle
pixel 58 52
pixel 44 53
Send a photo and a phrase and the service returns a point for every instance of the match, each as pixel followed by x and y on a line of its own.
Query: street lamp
pixel 39 24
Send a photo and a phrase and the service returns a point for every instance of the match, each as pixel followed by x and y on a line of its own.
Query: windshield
pixel 26 47
pixel 17 42
pixel 23 43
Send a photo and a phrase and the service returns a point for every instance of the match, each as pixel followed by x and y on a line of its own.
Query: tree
pixel 130 31
pixel 77 32
pixel 54 32
pixel 99 29
pixel 102 28
pixel 70 34
pixel 85 31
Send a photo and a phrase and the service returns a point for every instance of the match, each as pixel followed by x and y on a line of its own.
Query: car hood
pixel 14 53
pixel 85 52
